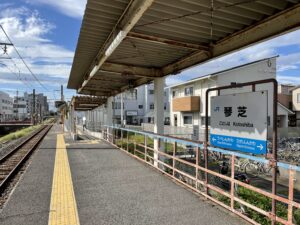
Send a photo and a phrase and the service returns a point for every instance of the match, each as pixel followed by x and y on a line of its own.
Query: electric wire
pixel 35 77
pixel 19 77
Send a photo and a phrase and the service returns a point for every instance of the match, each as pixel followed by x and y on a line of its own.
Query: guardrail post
pixel 197 164
pixel 127 141
pixel 291 195
pixel 134 144
pixel 232 183
pixel 145 143
pixel 205 152
pixel 155 153
pixel 113 132
pixel 121 139
pixel 174 155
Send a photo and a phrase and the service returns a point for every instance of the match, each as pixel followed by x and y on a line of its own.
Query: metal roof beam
pixel 185 62
pixel 128 19
pixel 131 70
pixel 252 7
pixel 165 41
pixel 270 27
pixel 100 92
pixel 96 88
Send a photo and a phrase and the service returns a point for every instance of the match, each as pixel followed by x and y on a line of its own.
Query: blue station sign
pixel 240 144
pixel 239 122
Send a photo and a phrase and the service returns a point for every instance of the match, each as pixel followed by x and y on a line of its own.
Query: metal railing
pixel 184 161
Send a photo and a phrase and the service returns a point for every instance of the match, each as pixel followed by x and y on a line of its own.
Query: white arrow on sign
pixel 214 139
pixel 260 146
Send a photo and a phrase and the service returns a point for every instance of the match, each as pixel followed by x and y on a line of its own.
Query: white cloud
pixel 289 79
pixel 71 8
pixel 28 32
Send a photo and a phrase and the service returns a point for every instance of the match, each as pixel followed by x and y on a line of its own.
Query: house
pixel 296 103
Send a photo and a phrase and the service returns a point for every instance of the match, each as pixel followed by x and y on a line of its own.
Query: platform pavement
pixel 111 188
pixel 30 200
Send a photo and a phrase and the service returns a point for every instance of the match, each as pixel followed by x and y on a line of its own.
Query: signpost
pixel 239 122
pixel 272 155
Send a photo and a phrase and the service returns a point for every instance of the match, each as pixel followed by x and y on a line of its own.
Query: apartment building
pixel 6 107
pixel 23 106
pixel 188 98
pixel 20 108
pixel 134 107
pixel 138 106
pixel 41 107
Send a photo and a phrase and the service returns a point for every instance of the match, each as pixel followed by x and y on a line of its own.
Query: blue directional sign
pixel 239 144
pixel 239 122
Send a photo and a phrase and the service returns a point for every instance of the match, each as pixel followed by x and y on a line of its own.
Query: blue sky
pixel 46 31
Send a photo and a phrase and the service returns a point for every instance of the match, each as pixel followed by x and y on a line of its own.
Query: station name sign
pixel 240 121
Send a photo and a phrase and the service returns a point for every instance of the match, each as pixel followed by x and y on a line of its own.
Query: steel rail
pixel 33 141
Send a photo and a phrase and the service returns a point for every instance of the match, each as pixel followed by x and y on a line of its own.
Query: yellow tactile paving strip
pixel 63 208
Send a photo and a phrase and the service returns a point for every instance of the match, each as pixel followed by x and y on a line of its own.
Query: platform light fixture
pixel 88 104
pixel 115 43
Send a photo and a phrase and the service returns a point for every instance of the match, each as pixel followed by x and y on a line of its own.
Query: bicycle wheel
pixel 250 168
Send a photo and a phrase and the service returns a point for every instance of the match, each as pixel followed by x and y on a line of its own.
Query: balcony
pixel 186 104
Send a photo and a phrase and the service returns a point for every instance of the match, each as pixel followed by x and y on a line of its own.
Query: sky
pixel 45 33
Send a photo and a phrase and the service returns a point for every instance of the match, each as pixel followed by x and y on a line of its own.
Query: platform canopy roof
pixel 127 43
pixel 84 103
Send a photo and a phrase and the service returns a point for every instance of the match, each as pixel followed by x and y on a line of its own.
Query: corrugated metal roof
pixel 169 37
pixel 84 103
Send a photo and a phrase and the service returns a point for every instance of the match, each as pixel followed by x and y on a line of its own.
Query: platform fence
pixel 186 162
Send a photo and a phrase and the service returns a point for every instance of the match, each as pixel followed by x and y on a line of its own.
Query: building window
pixel 188 119
pixel 165 106
pixel 188 91
pixel 203 120
pixel 140 106
pixel 131 95
pixel 116 105
pixel 151 106
pixel 151 92
pixel 298 98
pixel 174 94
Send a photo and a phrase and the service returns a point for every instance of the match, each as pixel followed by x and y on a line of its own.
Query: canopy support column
pixel 159 84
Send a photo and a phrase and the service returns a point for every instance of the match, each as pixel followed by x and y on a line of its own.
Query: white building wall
pixel 6 107
pixel 257 71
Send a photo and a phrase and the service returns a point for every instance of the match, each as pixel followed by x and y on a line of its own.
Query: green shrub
pixel 18 134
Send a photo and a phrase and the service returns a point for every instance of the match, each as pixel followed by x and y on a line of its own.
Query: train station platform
pixel 91 182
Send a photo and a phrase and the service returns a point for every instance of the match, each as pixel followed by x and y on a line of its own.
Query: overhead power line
pixel 17 75
pixel 35 77
pixel 18 69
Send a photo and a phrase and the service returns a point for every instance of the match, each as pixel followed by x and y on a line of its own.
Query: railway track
pixel 11 163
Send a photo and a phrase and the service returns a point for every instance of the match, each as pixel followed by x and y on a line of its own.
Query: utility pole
pixel 62 92
pixel 33 107
pixel 17 107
